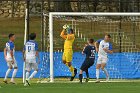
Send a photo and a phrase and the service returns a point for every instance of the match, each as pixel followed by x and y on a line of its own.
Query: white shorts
pixel 102 60
pixel 9 63
pixel 31 66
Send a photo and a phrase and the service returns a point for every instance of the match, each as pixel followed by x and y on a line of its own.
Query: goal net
pixel 124 28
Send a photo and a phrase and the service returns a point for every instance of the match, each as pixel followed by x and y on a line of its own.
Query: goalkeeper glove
pixel 65 26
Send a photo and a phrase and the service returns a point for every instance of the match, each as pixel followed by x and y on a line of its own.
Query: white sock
pixel 33 74
pixel 7 73
pixel 14 74
pixel 106 73
pixel 97 73
pixel 27 75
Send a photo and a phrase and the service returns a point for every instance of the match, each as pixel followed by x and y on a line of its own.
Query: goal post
pixel 51 30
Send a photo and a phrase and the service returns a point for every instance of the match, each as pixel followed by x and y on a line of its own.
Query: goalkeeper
pixel 68 36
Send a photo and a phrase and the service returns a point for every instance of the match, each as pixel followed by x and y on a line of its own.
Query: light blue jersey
pixel 31 47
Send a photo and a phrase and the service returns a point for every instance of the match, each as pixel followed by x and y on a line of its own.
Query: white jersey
pixel 102 45
pixel 30 51
pixel 10 47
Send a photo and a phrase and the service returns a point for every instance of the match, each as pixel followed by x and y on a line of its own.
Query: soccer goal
pixel 124 28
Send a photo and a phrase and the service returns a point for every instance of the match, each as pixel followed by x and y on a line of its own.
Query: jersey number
pixel 29 48
pixel 92 53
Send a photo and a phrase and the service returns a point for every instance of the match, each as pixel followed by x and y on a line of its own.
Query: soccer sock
pixel 66 64
pixel 106 73
pixel 14 74
pixel 72 70
pixel 7 73
pixel 33 74
pixel 97 73
pixel 27 75
pixel 87 74
pixel 80 77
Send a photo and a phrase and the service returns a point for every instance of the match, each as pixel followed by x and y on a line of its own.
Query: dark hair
pixel 32 36
pixel 109 36
pixel 71 30
pixel 91 40
pixel 10 35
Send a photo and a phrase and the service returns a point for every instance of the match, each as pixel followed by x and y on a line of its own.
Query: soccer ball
pixel 66 26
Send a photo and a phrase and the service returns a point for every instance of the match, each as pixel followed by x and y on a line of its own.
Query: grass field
pixel 110 87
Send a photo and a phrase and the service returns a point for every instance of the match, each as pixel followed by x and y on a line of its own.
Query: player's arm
pixel 24 54
pixel 37 53
pixel 84 49
pixel 63 34
pixel 109 50
pixel 97 44
pixel 5 52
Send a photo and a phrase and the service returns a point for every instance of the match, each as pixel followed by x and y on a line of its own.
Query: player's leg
pixel 105 71
pixel 68 57
pixel 28 69
pixel 72 70
pixel 90 62
pixel 14 72
pixel 35 67
pixel 87 74
pixel 84 67
pixel 81 76
pixel 98 66
pixel 7 72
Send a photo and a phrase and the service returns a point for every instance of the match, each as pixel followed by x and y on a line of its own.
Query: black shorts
pixel 87 64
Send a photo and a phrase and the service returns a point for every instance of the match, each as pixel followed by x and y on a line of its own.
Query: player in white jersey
pixel 9 51
pixel 103 47
pixel 31 57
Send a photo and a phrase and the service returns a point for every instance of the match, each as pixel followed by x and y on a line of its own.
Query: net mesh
pixel 124 63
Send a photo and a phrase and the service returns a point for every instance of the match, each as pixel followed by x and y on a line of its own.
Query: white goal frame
pixel 51 14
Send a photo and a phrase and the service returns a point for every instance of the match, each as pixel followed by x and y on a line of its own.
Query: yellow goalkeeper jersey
pixel 69 39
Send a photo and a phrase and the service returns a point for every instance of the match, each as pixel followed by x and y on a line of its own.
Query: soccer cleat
pixel 80 81
pixel 97 81
pixel 87 79
pixel 75 73
pixel 27 82
pixel 5 81
pixel 12 81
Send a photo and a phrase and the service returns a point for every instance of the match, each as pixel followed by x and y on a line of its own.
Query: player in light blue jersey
pixel 103 47
pixel 9 51
pixel 31 57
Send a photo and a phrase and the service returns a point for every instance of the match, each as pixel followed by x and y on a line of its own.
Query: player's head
pixel 107 37
pixel 69 31
pixel 32 36
pixel 91 41
pixel 11 37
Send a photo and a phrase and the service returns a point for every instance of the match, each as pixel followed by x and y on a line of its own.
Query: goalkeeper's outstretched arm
pixel 63 34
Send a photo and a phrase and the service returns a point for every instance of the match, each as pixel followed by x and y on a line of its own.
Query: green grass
pixel 110 87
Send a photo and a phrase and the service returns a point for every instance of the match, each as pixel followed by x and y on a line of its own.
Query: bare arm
pixel 63 34
pixel 97 46
pixel 5 52
pixel 37 55
pixel 23 55
pixel 12 55
pixel 108 51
